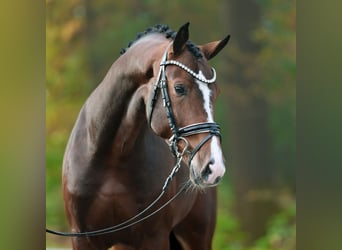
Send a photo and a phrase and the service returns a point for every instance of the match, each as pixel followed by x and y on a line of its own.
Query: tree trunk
pixel 250 141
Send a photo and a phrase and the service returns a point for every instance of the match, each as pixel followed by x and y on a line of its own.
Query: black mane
pixel 169 33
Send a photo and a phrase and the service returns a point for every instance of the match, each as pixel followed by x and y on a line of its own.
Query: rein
pixel 179 134
pixel 134 220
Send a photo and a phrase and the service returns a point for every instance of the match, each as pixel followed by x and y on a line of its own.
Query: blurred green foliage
pixel 83 38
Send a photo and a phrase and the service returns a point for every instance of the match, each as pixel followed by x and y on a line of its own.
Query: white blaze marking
pixel 218 167
pixel 206 95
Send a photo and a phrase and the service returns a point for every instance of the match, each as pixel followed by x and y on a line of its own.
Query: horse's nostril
pixel 207 170
pixel 217 179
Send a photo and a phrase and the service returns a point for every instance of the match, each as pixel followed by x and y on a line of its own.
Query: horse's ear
pixel 181 38
pixel 212 49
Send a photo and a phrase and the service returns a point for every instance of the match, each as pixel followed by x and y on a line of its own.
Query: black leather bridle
pixel 179 134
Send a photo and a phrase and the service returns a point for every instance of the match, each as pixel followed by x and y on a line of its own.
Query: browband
pixel 199 77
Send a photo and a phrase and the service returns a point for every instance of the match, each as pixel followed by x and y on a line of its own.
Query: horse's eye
pixel 180 90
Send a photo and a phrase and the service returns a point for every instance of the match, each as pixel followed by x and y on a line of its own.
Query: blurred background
pixel 256 107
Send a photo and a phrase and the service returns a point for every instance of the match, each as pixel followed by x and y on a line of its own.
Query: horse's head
pixel 181 106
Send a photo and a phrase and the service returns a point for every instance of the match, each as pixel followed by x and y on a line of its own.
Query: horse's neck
pixel 133 124
pixel 113 112
pixel 114 105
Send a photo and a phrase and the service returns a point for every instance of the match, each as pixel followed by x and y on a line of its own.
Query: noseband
pixel 179 134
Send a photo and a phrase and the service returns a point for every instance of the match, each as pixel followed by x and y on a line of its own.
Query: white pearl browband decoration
pixel 199 77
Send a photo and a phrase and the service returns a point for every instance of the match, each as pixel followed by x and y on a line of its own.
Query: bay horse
pixel 159 94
